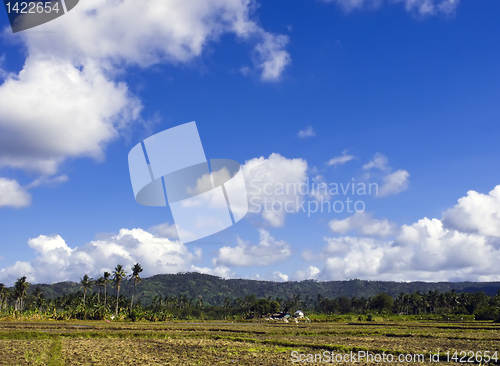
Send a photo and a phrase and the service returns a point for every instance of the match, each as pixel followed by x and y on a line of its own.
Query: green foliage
pixel 213 290
pixel 382 303
pixel 196 296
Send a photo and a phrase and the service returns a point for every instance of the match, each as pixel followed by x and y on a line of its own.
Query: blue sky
pixel 405 91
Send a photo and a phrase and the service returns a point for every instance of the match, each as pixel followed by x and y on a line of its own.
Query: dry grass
pixel 101 343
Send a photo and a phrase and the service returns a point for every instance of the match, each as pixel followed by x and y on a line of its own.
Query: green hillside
pixel 214 290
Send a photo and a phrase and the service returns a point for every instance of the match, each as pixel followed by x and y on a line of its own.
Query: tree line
pixel 94 301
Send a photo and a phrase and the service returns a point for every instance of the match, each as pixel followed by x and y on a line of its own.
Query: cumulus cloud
pixel 421 7
pixel 275 179
pixel 341 159
pixel 364 223
pixel 308 132
pixel 268 251
pixel 423 251
pixel 56 261
pixel 476 213
pixel 279 277
pixel 464 245
pixel 65 103
pixel 72 112
pixel 163 31
pixel 12 194
pixel 310 273
pixel 165 230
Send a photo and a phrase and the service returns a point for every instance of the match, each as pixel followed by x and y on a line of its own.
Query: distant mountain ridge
pixel 214 290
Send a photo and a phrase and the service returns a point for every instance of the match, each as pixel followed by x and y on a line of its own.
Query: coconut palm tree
pixel 118 276
pixel 3 294
pixel 5 297
pixel 21 289
pixel 100 283
pixel 136 270
pixel 85 283
pixel 39 298
pixel 107 280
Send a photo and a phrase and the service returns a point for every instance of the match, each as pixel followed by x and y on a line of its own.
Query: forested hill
pixel 214 290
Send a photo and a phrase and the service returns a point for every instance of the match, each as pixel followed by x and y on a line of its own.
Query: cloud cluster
pixel 54 110
pixel 427 250
pixel 117 33
pixel 310 273
pixel 476 213
pixel 279 277
pixel 66 102
pixel 364 223
pixel 430 7
pixel 264 177
pixel 268 251
pixel 56 261
pixel 464 245
pixel 392 182
pixel 12 194
pixel 421 7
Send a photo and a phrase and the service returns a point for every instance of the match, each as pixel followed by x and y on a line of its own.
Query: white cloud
pixel 165 230
pixel 220 271
pixel 308 132
pixel 56 261
pixel 12 194
pixel 430 7
pixel 462 246
pixel 275 179
pixel 54 110
pixel 48 181
pixel 421 7
pixel 364 224
pixel 310 273
pixel 424 251
pixel 279 277
pixel 379 162
pixel 163 31
pixel 65 104
pixel 272 57
pixel 267 252
pixel 394 183
pixel 319 189
pixel 476 213
pixel 341 159
pixel 350 5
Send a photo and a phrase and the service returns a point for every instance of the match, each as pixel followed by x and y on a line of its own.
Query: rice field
pixel 250 343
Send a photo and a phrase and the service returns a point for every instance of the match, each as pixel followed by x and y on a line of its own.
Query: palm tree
pixel 107 279
pixel 21 288
pixel 85 282
pixel 118 276
pixel 100 282
pixel 4 292
pixel 5 297
pixel 136 270
pixel 39 298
